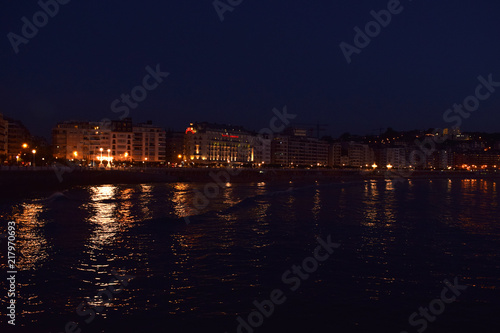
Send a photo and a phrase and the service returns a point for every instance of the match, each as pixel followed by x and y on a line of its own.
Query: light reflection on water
pixel 31 244
pixel 250 234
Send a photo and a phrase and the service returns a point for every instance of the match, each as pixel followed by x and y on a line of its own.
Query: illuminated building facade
pixel 477 160
pixel 115 141
pixel 77 140
pixel 206 143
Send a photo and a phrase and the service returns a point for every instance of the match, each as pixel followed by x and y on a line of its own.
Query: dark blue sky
pixel 265 54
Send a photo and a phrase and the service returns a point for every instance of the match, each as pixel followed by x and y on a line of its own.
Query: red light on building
pixel 190 130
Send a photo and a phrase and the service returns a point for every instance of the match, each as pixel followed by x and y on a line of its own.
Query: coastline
pixel 23 182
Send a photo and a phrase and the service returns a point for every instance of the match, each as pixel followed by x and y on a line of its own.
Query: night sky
pixel 265 54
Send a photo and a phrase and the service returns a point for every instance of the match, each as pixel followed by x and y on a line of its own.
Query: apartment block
pixel 116 141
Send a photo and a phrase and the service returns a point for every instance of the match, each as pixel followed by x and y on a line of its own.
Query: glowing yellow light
pixel 75 153
pixel 34 151
pixel 126 154
pixel 389 166
pixel 25 145
pixel 374 165
pixel 179 156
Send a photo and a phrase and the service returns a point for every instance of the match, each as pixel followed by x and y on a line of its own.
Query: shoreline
pixel 24 182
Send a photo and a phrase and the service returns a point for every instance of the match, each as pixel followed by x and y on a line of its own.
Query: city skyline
pixel 282 144
pixel 310 127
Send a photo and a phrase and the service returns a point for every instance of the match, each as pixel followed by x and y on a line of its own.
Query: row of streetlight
pixel 374 166
pixel 75 154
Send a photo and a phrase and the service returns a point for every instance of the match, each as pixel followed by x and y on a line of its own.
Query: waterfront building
pixel 350 154
pixel 115 141
pixel 149 143
pixel 174 147
pixel 18 139
pixel 295 148
pixel 476 160
pixel 335 154
pixel 395 156
pixel 208 143
pixel 263 151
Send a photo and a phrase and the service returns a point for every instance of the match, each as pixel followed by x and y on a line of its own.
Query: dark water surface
pixel 398 243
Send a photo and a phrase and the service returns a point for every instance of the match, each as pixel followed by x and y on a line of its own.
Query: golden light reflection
pixel 389 185
pixel 230 198
pixel 145 197
pixel 182 200
pixel 377 236
pixel 103 220
pixel 370 209
pixel 31 243
pixel 475 206
pixel 109 218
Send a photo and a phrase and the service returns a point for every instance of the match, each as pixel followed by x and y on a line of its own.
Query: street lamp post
pixel 34 152
pixel 109 158
pixel 101 149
